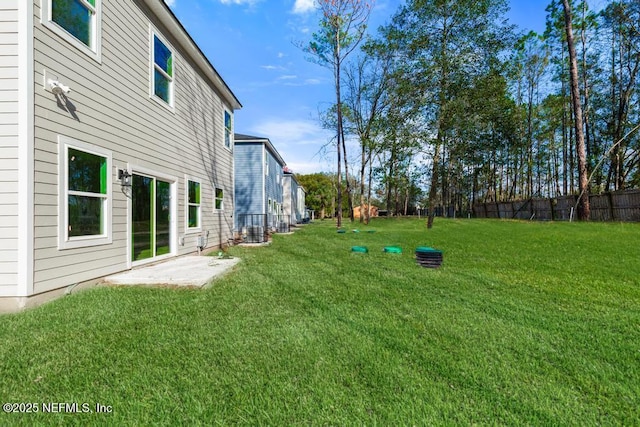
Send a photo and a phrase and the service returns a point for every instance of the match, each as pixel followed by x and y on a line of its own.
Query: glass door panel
pixel 150 217
pixel 141 214
pixel 163 219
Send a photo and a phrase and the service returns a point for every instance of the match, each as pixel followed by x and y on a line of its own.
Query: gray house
pixel 116 143
pixel 294 198
pixel 258 185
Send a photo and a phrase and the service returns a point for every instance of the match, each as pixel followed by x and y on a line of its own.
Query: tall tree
pixel 583 202
pixel 622 19
pixel 320 192
pixel 366 88
pixel 533 57
pixel 342 27
pixel 445 43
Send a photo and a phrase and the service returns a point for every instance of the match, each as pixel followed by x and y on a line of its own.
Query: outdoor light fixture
pixel 125 177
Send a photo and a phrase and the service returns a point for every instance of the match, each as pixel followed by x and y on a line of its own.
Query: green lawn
pixel 524 324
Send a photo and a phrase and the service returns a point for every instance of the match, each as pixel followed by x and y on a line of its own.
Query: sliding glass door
pixel 150 217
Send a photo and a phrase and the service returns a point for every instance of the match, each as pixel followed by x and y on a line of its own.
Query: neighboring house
pixel 258 182
pixel 116 143
pixel 373 211
pixel 294 198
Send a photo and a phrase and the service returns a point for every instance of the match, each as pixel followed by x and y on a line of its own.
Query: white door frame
pixel 173 212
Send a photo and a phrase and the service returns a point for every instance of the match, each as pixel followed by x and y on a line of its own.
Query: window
pixel 85 213
pixel 219 202
pixel 162 73
pixel 77 21
pixel 227 130
pixel 193 204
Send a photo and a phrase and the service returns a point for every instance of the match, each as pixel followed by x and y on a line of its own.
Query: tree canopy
pixel 450 105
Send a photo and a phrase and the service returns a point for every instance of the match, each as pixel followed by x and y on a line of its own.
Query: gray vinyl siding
pixel 8 143
pixel 273 186
pixel 112 109
pixel 300 207
pixel 249 176
pixel 286 196
pixel 293 191
pixel 293 199
pixel 291 194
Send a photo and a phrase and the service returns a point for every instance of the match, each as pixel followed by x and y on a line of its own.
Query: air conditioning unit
pixel 283 227
pixel 255 234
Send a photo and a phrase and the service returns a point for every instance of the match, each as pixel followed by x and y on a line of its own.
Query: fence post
pixel 611 207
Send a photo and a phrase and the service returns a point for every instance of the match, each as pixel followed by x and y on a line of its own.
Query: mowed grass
pixel 525 323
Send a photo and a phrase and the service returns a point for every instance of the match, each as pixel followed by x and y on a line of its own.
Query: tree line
pixel 449 104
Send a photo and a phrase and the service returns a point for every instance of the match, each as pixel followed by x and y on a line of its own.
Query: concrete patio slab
pixel 194 271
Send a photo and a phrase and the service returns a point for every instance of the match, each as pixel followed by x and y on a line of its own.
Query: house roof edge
pixel 160 9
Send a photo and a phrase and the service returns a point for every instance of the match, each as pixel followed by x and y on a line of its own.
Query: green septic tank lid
pixel 360 249
pixel 371 231
pixel 341 231
pixel 426 249
pixel 356 231
pixel 393 249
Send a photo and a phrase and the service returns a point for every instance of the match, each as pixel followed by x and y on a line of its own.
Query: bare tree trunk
pixel 338 210
pixel 346 172
pixel 369 189
pixel 363 165
pixel 433 191
pixel 584 208
pixel 585 81
pixel 406 201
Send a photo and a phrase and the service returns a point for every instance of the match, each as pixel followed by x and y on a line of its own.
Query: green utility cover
pixel 361 249
pixel 427 249
pixel 393 249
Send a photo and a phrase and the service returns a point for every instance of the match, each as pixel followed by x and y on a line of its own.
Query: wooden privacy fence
pixel 614 206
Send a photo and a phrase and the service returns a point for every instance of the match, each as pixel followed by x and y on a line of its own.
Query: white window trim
pixel 95 50
pixel 173 231
pixel 224 127
pixel 152 67
pixel 187 229
pixel 215 199
pixel 64 241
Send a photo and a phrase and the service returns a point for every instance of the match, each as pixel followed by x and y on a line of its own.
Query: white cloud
pixel 240 2
pixel 303 168
pixel 287 132
pixel 170 3
pixel 299 142
pixel 288 77
pixel 304 6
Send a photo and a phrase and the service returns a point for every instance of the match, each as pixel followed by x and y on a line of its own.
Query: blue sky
pixel 252 45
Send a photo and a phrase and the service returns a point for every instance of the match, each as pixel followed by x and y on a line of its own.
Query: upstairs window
pixel 227 130
pixel 219 202
pixel 77 21
pixel 162 73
